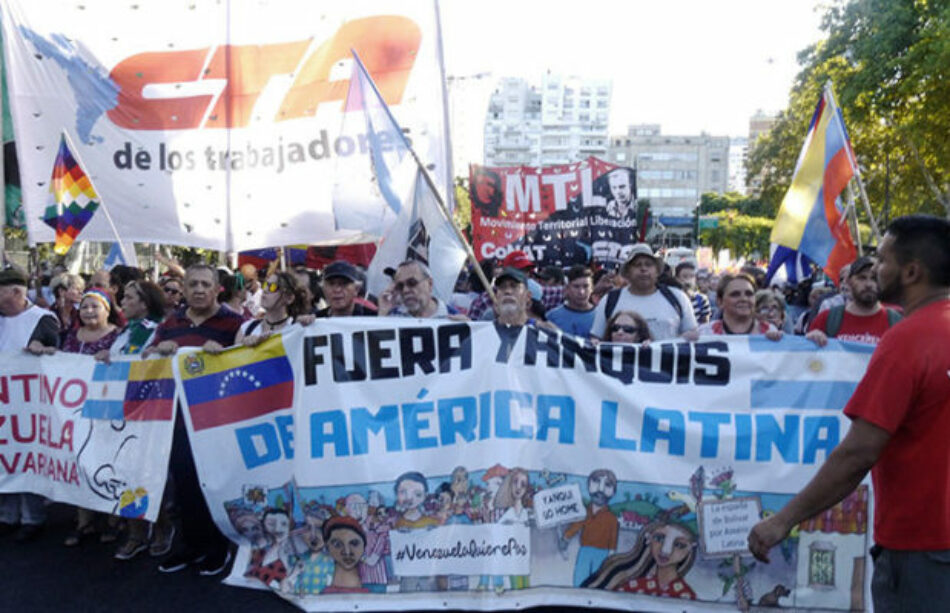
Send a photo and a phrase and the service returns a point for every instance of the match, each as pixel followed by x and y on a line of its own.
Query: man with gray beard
pixel 512 298
pixel 863 319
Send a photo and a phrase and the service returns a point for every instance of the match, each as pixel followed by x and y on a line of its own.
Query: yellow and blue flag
pixel 811 220
pixel 236 385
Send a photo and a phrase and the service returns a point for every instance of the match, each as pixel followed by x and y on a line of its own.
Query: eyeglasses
pixel 627 329
pixel 171 290
pixel 272 287
pixel 411 283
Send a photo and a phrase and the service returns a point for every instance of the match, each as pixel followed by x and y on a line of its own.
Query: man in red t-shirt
pixel 863 319
pixel 900 425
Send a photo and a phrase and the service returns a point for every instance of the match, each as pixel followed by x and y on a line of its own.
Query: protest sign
pixel 409 471
pixel 217 126
pixel 559 215
pixel 114 463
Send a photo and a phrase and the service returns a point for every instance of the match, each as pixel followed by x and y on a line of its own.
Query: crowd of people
pixel 123 312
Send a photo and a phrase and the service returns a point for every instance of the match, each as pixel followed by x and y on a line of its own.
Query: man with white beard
pixel 512 298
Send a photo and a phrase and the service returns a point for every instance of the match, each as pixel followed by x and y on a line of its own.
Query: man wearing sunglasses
pixel 410 294
pixel 340 289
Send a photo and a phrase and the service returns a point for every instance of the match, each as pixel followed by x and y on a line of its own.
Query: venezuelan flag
pixel 73 199
pixel 239 384
pixel 810 220
pixel 150 393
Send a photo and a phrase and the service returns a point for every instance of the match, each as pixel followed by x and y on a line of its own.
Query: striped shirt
pixel 221 327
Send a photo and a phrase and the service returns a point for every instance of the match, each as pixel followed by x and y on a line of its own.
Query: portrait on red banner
pixel 578 213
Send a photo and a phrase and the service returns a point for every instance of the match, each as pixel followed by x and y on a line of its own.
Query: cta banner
pixel 559 215
pixel 84 433
pixel 213 124
pixel 394 464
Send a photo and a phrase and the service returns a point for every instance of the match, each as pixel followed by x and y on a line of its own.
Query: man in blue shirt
pixel 576 315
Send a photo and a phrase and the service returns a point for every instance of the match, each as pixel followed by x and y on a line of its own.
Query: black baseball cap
pixel 343 269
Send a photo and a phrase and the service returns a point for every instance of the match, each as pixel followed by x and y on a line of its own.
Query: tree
pixel 889 61
pixel 711 202
pixel 742 235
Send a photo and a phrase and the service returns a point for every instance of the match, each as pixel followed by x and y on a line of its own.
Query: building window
pixel 620 156
pixel 821 564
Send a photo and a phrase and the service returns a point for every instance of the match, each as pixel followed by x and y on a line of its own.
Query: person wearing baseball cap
pixel 340 288
pixel 25 325
pixel 862 319
pixel 667 310
pixel 511 297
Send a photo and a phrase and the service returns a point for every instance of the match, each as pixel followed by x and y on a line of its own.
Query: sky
pixel 689 65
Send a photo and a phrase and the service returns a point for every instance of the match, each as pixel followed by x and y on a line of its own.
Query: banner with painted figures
pixel 216 124
pixel 559 215
pixel 86 433
pixel 392 464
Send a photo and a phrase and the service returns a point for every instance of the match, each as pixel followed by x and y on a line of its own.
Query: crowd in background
pixel 123 311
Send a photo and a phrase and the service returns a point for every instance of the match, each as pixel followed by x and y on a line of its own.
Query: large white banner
pixel 48 446
pixel 400 464
pixel 215 124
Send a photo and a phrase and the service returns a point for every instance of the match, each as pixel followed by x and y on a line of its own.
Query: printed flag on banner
pixel 811 219
pixel 238 384
pixel 73 199
pixel 138 390
pixel 391 165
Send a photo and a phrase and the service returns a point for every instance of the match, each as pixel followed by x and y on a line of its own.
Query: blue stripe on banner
pixel 103 409
pixel 799 344
pixel 789 342
pixel 801 394
pixel 116 371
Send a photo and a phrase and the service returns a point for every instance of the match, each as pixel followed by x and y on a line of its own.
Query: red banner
pixel 560 215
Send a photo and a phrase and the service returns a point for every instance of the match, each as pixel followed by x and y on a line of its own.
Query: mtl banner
pixel 93 435
pixel 216 124
pixel 560 215
pixel 368 464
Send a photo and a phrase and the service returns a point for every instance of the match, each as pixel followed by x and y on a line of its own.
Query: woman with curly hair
pixel 656 565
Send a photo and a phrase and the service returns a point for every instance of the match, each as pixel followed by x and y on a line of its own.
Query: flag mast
pixel 431 184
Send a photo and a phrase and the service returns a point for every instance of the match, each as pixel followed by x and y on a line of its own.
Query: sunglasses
pixel 171 290
pixel 273 287
pixel 411 283
pixel 623 328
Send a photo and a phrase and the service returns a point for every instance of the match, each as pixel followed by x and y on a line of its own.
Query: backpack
pixel 613 296
pixel 836 317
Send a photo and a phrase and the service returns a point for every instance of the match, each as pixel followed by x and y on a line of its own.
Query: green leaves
pixel 889 61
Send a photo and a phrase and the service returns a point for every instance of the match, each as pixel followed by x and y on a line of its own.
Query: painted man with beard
pixel 900 417
pixel 864 319
pixel 599 530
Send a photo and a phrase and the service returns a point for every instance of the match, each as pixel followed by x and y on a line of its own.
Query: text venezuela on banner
pixel 86 433
pixel 559 215
pixel 215 124
pixel 430 464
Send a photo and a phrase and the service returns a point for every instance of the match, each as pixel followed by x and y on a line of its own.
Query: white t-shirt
pixel 656 309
